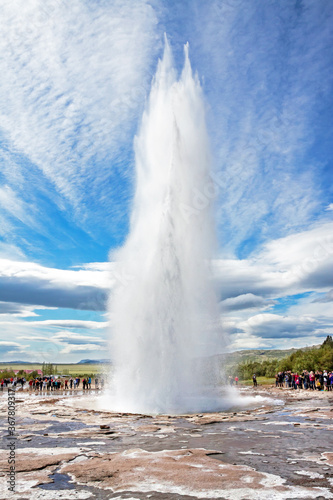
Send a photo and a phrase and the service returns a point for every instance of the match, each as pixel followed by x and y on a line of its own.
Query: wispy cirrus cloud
pixel 74 79
pixel 268 79
pixel 10 251
pixel 15 207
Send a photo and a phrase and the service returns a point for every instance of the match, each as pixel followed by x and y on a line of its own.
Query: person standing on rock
pixel 312 379
pixel 330 381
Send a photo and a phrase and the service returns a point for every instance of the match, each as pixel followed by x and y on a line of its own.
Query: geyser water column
pixel 163 308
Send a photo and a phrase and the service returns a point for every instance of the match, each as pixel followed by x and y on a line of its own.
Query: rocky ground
pixel 282 449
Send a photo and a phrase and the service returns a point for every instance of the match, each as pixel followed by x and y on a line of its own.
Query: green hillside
pixel 309 358
pixel 257 355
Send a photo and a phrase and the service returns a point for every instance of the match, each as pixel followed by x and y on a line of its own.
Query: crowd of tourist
pixel 313 380
pixel 52 383
pixel 12 382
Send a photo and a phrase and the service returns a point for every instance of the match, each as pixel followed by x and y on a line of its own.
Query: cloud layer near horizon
pixel 252 293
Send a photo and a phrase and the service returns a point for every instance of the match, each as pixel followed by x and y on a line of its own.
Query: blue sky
pixel 75 78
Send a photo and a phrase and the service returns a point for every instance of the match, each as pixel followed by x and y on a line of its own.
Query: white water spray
pixel 163 309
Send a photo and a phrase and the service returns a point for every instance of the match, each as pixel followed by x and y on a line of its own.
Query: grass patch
pixel 81 370
pixel 260 380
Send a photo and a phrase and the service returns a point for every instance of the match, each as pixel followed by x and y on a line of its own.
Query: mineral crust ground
pixel 69 449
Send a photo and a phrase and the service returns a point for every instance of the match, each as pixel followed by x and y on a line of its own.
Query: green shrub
pixel 316 358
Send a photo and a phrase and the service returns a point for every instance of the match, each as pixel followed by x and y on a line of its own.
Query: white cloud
pixel 12 348
pixel 274 326
pixel 71 323
pixel 241 341
pixel 17 310
pixel 329 207
pixel 9 344
pixel 89 348
pixel 74 338
pixel 96 266
pixel 315 245
pixel 46 346
pixel 33 338
pixel 328 297
pixel 246 301
pixel 14 310
pixel 319 311
pixel 30 283
pixel 294 264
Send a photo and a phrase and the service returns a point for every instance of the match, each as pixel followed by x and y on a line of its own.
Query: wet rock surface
pixel 68 448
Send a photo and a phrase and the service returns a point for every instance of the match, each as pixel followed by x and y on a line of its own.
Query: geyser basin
pixel 164 314
pixel 230 400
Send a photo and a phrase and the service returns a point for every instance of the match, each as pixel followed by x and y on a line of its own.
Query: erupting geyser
pixel 163 309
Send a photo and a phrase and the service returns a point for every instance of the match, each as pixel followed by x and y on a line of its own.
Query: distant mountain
pixel 92 361
pixel 19 363
pixel 231 358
